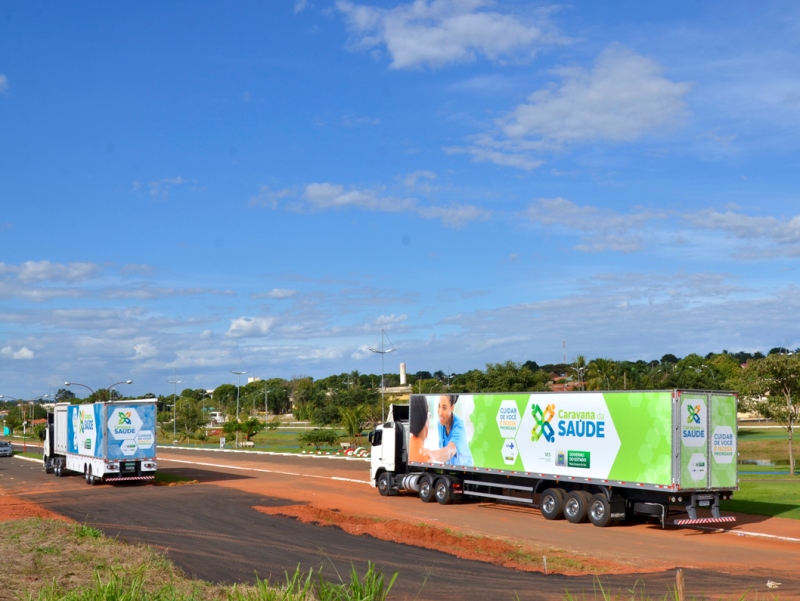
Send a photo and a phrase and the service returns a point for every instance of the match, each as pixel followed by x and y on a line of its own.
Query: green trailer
pixel 597 456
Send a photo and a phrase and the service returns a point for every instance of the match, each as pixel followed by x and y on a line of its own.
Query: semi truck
pixel 604 456
pixel 105 442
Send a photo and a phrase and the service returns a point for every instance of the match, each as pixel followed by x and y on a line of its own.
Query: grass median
pixel 50 560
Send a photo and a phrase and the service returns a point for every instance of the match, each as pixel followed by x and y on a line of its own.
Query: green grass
pixel 103 569
pixel 280 440
pixel 768 443
pixel 767 495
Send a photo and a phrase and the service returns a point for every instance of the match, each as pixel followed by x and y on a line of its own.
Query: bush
pixel 273 424
pixel 319 437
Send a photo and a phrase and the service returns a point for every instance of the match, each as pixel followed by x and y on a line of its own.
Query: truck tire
pixel 551 504
pixel 576 504
pixel 426 489
pixel 442 491
pixel 92 480
pixel 599 512
pixel 384 484
pixel 57 467
pixel 87 470
pixel 48 465
pixel 61 469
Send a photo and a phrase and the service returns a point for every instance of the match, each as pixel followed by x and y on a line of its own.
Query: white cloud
pixel 144 350
pixel 300 6
pixel 385 320
pixel 275 293
pixel 42 271
pixel 250 327
pixel 269 198
pixel 3 84
pixel 623 98
pixel 767 236
pixel 159 189
pixel 418 180
pixel 499 156
pixel 316 354
pixel 438 32
pixel 362 352
pixel 748 227
pixel 330 196
pixel 455 216
pixel 22 354
pixel 602 229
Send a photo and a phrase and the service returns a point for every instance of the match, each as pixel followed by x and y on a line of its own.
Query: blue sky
pixel 193 188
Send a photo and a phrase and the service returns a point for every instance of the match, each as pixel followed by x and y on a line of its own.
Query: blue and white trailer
pixel 105 442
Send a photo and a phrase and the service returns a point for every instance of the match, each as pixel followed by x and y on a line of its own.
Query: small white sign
pixel 128 447
pixel 145 439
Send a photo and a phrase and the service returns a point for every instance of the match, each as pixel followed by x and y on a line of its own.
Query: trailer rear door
pixel 705 432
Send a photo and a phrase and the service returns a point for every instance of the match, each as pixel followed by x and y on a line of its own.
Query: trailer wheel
pixel 385 484
pixel 576 504
pixel 426 489
pixel 92 480
pixel 442 491
pixel 599 512
pixel 86 472
pixel 551 504
pixel 48 465
pixel 57 468
pixel 61 469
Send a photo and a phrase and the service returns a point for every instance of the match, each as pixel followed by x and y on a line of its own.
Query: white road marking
pixel 265 471
pixel 745 533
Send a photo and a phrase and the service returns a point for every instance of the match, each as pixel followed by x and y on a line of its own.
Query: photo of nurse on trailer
pixel 439 427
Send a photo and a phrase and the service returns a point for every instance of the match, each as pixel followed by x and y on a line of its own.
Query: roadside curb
pixel 272 453
pixel 28 459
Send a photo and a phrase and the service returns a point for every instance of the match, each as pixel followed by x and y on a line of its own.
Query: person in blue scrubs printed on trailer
pixel 452 435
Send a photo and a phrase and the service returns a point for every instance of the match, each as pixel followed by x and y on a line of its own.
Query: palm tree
pixel 352 419
pixel 578 369
pixel 601 374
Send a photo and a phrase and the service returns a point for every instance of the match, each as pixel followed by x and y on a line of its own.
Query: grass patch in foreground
pixel 768 495
pixel 49 560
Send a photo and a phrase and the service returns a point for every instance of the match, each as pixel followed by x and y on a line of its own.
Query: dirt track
pixel 635 549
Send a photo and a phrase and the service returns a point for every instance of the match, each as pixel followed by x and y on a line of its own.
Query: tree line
pixel 768 385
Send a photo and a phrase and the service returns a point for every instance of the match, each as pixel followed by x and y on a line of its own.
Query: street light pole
pixel 107 389
pixel 239 375
pixel 175 383
pixel 382 352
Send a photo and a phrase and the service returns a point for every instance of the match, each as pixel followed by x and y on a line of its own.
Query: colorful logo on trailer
pixel 694 414
pixel 543 419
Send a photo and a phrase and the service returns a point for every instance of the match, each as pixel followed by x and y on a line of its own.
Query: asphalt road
pixel 211 532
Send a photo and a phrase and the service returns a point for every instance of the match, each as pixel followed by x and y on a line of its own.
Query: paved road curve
pixel 210 530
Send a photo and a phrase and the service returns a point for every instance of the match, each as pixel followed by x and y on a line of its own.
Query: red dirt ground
pixel 14 508
pixel 464 546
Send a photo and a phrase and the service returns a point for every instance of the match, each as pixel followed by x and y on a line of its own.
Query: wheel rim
pixel 571 507
pixel 598 511
pixel 441 491
pixel 383 486
pixel 549 504
pixel 425 489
